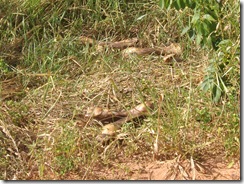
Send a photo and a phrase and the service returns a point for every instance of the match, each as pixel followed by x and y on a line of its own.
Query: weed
pixel 49 79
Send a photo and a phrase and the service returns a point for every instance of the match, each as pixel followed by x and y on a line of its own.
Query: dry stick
pixel 155 155
pixel 76 63
pixel 183 172
pixel 193 169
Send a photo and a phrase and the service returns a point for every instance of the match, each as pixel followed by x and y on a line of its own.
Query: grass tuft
pixel 49 79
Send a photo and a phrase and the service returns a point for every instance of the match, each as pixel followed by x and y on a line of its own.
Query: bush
pixel 214 25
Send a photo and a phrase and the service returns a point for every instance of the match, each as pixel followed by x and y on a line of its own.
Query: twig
pixel 193 169
pixel 183 172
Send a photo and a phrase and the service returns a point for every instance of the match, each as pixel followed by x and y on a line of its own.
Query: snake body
pixel 111 129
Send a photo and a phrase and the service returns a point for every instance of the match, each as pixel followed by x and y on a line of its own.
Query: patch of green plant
pixel 232 136
pixel 231 125
pixel 19 113
pixel 66 150
pixel 209 25
pixel 203 115
pixel 203 19
pixel 222 69
pixel 43 36
pixel 3 67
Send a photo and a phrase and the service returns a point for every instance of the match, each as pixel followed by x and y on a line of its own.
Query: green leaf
pixel 206 28
pixel 216 93
pixel 225 42
pixel 185 30
pixel 165 3
pixel 199 38
pixel 209 18
pixel 223 85
pixel 191 4
pixel 161 3
pixel 205 86
pixel 209 40
pixel 195 17
pixel 199 28
pixel 179 3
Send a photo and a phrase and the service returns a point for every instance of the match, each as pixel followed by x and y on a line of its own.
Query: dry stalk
pixel 155 155
pixel 7 133
pixel 183 172
pixel 49 110
pixel 193 169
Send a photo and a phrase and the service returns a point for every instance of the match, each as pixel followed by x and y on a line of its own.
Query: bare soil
pixel 168 170
pixel 147 168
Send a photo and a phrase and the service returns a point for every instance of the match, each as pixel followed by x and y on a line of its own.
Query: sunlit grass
pixel 42 130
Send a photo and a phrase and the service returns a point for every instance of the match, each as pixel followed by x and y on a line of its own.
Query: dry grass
pixel 42 129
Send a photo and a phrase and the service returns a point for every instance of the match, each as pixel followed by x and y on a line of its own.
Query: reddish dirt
pixel 146 169
pixel 167 170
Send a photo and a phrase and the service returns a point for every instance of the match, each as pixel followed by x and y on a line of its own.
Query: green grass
pixel 59 78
